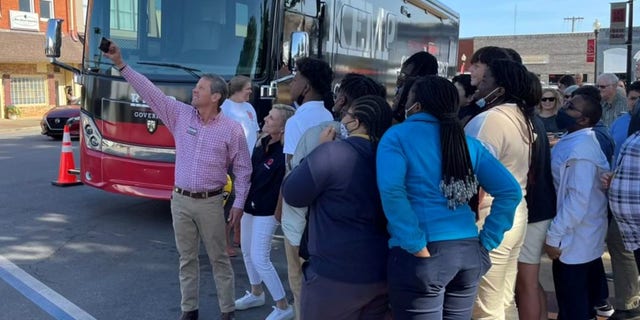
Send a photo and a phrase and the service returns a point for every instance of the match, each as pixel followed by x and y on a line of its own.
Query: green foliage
pixel 13 110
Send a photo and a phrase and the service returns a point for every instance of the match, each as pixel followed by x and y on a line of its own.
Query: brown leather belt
pixel 197 195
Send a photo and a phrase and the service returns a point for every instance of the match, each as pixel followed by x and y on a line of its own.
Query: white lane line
pixel 44 297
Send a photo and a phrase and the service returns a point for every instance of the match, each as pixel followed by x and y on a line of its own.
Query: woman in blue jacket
pixel 427 170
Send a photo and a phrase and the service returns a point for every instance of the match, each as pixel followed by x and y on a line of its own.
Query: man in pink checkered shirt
pixel 207 144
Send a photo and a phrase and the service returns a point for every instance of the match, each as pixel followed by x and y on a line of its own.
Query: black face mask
pixel 564 120
pixel 300 99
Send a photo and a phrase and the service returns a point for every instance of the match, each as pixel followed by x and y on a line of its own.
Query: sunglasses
pixel 550 99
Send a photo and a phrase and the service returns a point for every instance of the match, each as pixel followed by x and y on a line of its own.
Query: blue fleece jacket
pixel 409 170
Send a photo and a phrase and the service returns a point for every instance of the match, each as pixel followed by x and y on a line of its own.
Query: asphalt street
pixel 110 256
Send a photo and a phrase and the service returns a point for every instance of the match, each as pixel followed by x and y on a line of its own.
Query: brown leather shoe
pixel 228 316
pixel 189 315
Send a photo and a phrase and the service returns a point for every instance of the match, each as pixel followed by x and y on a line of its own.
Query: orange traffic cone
pixel 65 179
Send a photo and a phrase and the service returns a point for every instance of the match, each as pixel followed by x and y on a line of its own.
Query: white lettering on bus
pixel 145 115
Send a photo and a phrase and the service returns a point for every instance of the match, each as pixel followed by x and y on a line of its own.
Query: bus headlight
pixel 91 134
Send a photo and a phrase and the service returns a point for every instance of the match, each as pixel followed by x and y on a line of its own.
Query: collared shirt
pixel 204 151
pixel 580 225
pixel 624 198
pixel 309 114
pixel 266 178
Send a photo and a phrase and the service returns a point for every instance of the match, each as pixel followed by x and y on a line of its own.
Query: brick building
pixel 553 55
pixel 29 81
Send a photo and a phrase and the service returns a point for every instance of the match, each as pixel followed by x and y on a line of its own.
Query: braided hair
pixel 355 85
pixel 424 63
pixel 401 99
pixel 516 81
pixel 319 74
pixel 439 97
pixel 374 113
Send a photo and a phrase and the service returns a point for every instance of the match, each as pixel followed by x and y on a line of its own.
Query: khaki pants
pixel 294 270
pixel 496 291
pixel 625 271
pixel 193 220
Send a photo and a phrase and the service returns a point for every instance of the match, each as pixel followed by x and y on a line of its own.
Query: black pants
pixel 578 288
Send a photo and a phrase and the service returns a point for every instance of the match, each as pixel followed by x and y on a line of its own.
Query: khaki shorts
pixel 534 239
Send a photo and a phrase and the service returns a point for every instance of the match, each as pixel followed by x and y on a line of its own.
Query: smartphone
pixel 104 45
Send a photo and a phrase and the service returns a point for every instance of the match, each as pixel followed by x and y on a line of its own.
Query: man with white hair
pixel 613 103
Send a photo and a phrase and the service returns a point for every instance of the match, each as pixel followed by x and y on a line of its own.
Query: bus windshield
pixel 168 39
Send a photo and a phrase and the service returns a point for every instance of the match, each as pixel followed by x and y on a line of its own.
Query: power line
pixel 573 22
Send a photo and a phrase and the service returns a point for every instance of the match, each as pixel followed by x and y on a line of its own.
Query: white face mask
pixel 406 111
pixel 344 133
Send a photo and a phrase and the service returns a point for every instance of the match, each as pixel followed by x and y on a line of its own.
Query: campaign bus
pixel 126 149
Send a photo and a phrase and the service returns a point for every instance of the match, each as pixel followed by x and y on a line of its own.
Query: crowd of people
pixel 438 206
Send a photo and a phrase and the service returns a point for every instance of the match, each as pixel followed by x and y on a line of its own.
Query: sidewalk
pixel 19 124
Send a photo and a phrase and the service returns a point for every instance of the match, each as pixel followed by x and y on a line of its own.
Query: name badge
pixel 192 131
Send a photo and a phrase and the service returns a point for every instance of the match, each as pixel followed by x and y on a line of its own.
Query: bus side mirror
pixel 53 38
pixel 298 48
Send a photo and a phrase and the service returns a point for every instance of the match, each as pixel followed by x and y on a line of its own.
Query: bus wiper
pixel 191 71
pixel 95 64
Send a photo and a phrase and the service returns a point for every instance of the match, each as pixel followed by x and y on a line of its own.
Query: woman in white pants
pixel 258 223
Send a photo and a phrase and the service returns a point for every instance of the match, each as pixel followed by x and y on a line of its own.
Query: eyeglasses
pixel 602 86
pixel 567 96
pixel 550 99
pixel 569 106
pixel 633 98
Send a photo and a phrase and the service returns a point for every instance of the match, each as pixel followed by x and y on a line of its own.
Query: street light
pixel 463 58
pixel 596 29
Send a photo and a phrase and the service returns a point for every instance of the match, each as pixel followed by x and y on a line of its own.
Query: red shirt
pixel 204 151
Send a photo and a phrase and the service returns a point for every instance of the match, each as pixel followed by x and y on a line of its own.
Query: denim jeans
pixel 443 286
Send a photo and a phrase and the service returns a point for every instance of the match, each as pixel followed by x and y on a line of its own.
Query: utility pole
pixel 573 22
pixel 629 43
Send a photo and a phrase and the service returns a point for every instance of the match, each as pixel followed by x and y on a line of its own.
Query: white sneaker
pixel 280 314
pixel 605 310
pixel 249 301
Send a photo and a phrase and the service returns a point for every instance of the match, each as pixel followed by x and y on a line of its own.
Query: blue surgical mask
pixel 482 102
pixel 564 120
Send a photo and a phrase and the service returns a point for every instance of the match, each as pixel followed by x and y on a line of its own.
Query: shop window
pixel 26 5
pixel 28 91
pixel 46 9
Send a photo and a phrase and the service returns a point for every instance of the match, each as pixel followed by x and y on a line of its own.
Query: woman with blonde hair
pixel 550 103
pixel 258 222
